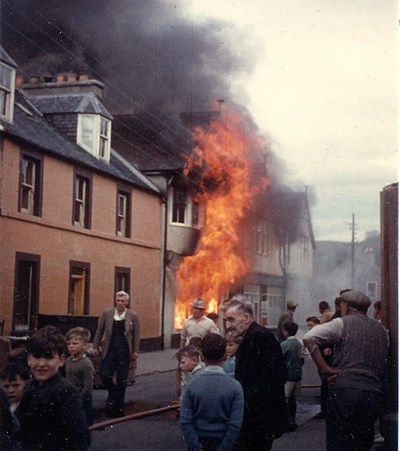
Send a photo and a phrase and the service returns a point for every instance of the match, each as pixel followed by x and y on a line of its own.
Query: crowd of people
pixel 237 381
pixel 349 349
pixel 46 402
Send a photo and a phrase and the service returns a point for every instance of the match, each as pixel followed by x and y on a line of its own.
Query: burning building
pixel 226 223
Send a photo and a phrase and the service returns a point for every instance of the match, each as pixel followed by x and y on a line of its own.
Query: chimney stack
pixel 62 83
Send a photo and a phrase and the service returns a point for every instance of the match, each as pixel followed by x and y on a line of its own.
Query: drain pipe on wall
pixel 164 260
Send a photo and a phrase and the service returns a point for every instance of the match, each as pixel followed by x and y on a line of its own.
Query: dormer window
pixel 94 132
pixel 7 86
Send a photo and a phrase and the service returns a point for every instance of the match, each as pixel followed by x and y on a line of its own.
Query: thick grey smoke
pixel 149 53
pixel 154 58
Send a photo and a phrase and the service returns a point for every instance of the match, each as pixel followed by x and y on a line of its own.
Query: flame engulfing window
pixel 30 185
pixel 184 209
pixel 179 205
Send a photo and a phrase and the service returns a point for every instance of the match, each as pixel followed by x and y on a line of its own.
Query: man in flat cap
pixel 355 397
pixel 197 325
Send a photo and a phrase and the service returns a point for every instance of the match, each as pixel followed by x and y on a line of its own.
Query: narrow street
pixel 162 431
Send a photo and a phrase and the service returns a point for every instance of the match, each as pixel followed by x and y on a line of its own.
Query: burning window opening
pixel 223 164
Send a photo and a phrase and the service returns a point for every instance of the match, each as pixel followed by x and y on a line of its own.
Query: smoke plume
pixel 150 54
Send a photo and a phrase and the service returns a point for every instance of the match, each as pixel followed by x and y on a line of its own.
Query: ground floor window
pixel 122 279
pixel 26 292
pixel 78 299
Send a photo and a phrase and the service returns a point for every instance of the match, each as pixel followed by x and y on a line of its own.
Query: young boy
pixel 293 353
pixel 51 413
pixel 212 405
pixel 79 369
pixel 189 364
pixel 13 379
pixel 232 343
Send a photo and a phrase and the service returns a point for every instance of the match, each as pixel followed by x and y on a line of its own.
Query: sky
pixel 324 89
pixel 317 76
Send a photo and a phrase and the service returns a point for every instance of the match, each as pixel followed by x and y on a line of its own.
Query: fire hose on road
pixel 145 413
pixel 133 416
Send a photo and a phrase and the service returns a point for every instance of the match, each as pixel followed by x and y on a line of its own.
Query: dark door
pixel 26 292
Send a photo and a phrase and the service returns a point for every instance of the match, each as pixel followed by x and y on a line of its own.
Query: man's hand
pixel 135 355
pixel 330 374
pixel 94 352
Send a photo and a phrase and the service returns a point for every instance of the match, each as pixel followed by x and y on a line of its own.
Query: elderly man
pixel 197 325
pixel 118 336
pixel 262 372
pixel 356 375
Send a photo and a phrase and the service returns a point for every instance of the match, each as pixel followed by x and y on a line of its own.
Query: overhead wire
pixel 135 131
pixel 94 57
pixel 140 106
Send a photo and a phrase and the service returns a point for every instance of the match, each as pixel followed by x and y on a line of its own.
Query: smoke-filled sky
pixel 324 87
pixel 318 78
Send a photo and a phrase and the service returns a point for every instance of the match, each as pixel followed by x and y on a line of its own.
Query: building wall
pixel 57 241
pixel 300 274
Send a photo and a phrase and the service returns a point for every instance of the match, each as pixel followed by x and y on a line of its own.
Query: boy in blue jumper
pixel 293 354
pixel 212 406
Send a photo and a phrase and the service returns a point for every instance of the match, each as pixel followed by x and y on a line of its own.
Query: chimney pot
pixel 84 77
pixel 72 77
pixel 20 80
pixel 60 78
pixel 34 79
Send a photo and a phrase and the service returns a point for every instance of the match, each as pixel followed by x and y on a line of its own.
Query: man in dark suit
pixel 118 336
pixel 262 372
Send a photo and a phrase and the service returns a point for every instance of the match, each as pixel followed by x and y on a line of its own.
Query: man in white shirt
pixel 197 325
pixel 118 336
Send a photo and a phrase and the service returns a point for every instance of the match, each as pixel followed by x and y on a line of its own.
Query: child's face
pixel 14 388
pixel 44 368
pixel 188 363
pixel 76 346
pixel 231 348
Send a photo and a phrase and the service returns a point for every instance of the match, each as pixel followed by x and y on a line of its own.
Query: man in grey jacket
pixel 356 376
pixel 118 337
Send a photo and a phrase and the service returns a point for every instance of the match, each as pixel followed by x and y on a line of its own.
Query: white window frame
pixel 99 128
pixel 182 206
pixel 192 212
pixel 28 186
pixel 7 91
pixel 122 213
pixel 81 200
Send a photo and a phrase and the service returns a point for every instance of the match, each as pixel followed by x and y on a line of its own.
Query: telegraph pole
pixel 353 233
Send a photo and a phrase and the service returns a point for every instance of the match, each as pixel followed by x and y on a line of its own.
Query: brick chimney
pixel 64 84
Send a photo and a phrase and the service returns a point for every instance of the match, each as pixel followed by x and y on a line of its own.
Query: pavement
pixel 311 432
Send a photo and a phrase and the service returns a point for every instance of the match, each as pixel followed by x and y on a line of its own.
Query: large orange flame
pixel 222 157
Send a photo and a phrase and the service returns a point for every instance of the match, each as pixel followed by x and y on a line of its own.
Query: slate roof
pixel 69 103
pixel 148 146
pixel 30 126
